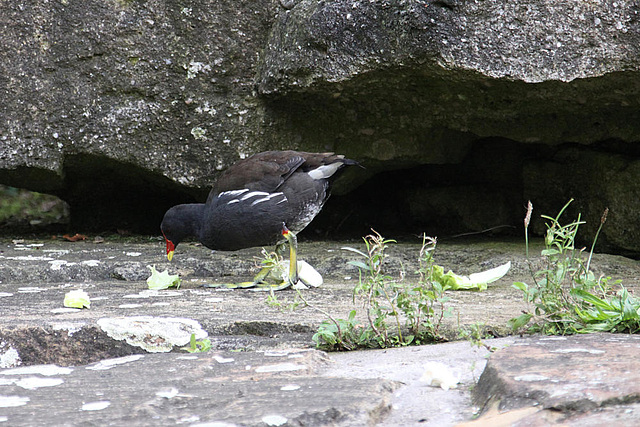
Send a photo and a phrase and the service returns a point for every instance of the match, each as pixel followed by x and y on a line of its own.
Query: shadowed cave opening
pixel 483 195
pixel 482 192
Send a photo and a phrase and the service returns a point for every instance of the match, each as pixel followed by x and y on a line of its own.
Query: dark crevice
pixel 484 192
pixel 38 345
pixel 263 329
pixel 435 198
pixel 108 195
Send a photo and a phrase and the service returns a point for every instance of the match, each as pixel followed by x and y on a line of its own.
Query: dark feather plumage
pixel 254 198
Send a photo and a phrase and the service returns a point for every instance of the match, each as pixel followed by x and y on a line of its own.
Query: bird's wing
pixel 261 172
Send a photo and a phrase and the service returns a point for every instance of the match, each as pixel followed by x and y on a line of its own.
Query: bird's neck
pixel 193 215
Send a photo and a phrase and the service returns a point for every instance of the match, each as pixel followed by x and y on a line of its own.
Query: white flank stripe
pixel 233 192
pixel 254 194
pixel 255 202
pixel 266 199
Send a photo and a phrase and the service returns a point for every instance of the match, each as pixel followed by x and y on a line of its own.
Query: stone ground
pixel 104 365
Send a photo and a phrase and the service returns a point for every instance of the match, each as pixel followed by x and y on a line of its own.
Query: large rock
pixel 125 108
pixel 122 106
pixel 419 79
pixel 586 380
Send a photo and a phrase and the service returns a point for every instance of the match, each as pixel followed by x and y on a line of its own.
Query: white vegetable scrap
pixel 162 280
pixel 77 299
pixel 437 374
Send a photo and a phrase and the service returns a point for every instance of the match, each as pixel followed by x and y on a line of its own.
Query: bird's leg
pixel 270 262
pixel 279 250
pixel 261 280
pixel 293 257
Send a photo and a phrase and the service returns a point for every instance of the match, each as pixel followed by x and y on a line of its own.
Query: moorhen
pixel 258 201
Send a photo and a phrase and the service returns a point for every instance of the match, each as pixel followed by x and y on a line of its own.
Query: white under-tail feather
pixel 324 171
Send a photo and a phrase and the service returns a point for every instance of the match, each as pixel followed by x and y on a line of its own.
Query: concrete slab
pixel 574 380
pixel 255 388
pixel 35 275
pixel 416 403
pixel 382 387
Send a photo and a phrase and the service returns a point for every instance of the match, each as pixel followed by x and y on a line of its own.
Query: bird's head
pixel 180 222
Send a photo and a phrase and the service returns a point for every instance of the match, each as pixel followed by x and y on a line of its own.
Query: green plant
pixel 614 312
pixel 476 333
pixel 194 346
pixel 566 297
pixel 424 304
pixel 275 302
pixel 378 291
pixel 340 334
pixel 397 313
pixel 333 334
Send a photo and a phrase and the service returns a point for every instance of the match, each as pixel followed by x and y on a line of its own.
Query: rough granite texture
pixel 123 100
pixel 125 108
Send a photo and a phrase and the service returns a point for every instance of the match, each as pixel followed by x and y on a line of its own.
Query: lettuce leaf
pixel 77 299
pixel 475 281
pixel 162 280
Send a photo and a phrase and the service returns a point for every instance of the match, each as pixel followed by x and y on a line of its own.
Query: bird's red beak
pixel 170 247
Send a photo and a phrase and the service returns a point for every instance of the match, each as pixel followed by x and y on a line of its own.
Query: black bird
pixel 258 201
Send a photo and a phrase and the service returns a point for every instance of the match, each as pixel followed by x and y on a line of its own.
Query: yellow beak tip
pixel 170 255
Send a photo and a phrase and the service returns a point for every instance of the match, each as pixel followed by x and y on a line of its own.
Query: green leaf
pixel 521 286
pixel 599 327
pixel 197 346
pixel 592 299
pixel 629 307
pixel 520 321
pixel 162 280
pixel 204 345
pixel 359 264
pixel 347 248
pixel 549 252
pixel 77 299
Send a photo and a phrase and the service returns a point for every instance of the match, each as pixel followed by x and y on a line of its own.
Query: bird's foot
pixel 271 277
pixel 275 274
pixel 238 285
pixel 276 277
pixel 271 286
